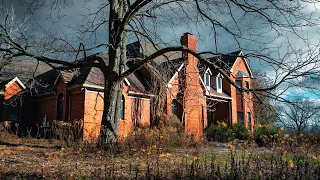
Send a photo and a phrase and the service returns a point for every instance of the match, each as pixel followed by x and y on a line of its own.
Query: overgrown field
pixel 30 158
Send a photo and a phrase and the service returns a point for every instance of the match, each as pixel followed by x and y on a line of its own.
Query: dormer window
pixel 207 79
pixel 219 83
pixel 207 76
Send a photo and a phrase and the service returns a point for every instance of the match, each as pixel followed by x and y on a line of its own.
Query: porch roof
pixel 212 93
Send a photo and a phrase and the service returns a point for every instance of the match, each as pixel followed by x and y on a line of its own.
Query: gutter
pixel 140 94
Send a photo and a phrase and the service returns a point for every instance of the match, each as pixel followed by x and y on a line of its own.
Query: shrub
pixel 266 134
pixel 173 122
pixel 219 132
pixel 169 134
pixel 240 131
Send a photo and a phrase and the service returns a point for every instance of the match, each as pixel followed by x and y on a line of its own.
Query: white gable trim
pixel 204 85
pixel 219 90
pixel 13 80
pixel 127 81
pixel 169 85
pixel 209 71
pixel 245 63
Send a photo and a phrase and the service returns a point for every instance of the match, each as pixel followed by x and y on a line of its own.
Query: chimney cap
pixel 187 33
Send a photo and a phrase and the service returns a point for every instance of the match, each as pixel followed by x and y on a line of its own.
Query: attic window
pixel 241 74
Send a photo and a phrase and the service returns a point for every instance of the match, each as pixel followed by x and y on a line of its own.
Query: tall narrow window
pixel 174 107
pixel 207 79
pixel 60 107
pixel 239 83
pixel 122 108
pixel 249 120
pixel 219 82
pixel 247 86
pixel 240 117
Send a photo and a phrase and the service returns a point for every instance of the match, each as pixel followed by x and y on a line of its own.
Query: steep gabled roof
pixel 225 61
pixel 91 76
pixel 142 49
pixel 5 84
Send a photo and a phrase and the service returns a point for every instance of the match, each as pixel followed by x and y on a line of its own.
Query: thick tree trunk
pixel 117 59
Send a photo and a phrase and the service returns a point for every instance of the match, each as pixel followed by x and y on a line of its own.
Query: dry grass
pixel 29 158
pixel 37 158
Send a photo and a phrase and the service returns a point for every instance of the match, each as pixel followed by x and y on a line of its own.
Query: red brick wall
pixel 46 106
pixel 241 101
pixel 93 110
pixel 77 105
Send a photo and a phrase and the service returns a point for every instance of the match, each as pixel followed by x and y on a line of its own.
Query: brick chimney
pixel 194 101
pixel 188 40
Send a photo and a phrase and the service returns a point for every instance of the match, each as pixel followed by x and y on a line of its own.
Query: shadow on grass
pixel 31 146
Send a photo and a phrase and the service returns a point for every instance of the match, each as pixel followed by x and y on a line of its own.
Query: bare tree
pixel 241 22
pixel 301 115
pixel 264 109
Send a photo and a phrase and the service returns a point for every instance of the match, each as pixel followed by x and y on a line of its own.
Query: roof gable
pixel 242 59
pixel 11 88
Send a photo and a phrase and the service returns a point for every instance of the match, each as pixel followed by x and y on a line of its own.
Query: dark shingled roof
pixel 226 61
pixel 142 49
pixel 44 83
pixel 141 80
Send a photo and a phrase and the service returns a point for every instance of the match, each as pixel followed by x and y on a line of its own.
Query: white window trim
pixel 219 90
pixel 205 78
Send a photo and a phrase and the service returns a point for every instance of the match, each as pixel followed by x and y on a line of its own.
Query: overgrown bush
pixel 223 133
pixel 266 134
pixel 240 131
pixel 169 134
pixel 220 132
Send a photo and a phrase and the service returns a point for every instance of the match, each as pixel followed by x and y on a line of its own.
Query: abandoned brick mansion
pixel 194 93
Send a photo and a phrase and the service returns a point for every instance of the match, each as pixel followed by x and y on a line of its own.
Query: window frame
pixel 241 115
pixel 122 108
pixel 239 84
pixel 247 85
pixel 219 83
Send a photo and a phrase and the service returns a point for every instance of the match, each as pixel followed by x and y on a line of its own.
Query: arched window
pixel 122 108
pixel 60 107
pixel 174 107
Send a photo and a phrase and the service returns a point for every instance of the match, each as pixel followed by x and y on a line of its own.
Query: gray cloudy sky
pixel 64 21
